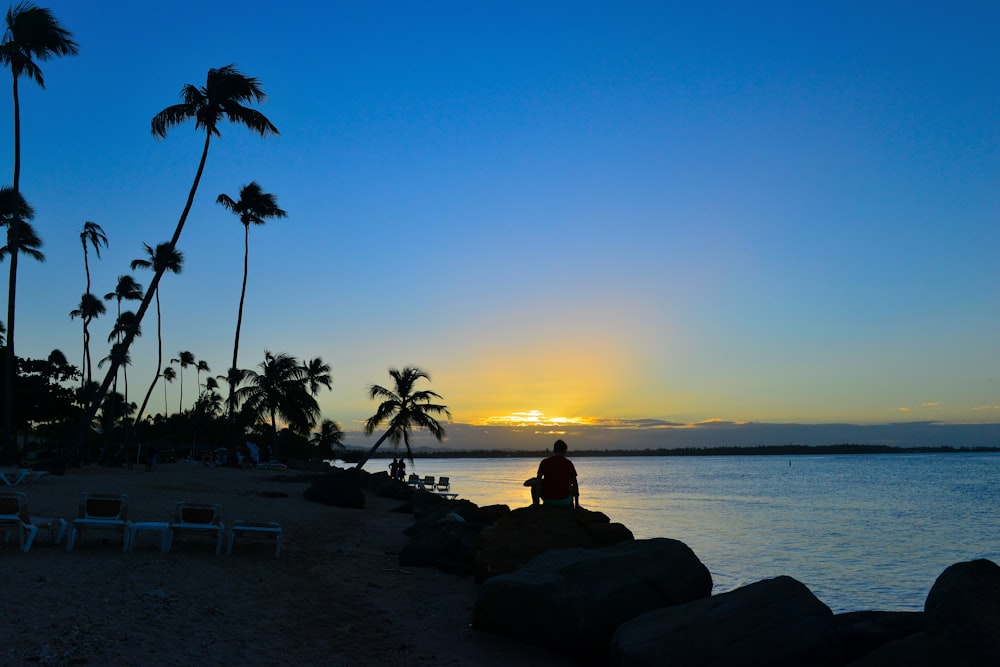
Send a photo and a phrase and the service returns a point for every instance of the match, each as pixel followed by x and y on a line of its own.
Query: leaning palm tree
pixel 221 98
pixel 169 259
pixel 404 409
pixel 90 308
pixel 31 34
pixel 280 389
pixel 185 359
pixel 254 207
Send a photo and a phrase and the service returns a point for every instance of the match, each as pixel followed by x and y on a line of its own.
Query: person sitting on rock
pixel 556 481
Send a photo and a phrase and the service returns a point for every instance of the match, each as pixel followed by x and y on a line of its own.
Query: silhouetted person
pixel 556 481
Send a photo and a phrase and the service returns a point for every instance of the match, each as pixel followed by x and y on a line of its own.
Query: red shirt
pixel 558 474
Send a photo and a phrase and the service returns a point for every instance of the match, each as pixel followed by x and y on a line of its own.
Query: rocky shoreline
pixel 572 582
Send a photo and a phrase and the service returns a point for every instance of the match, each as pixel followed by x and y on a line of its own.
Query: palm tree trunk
pixel 159 367
pixel 371 452
pixel 9 448
pixel 147 298
pixel 236 344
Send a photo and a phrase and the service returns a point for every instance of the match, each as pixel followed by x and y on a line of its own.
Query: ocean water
pixel 861 531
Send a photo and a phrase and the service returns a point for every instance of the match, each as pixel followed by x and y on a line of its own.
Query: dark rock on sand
pixel 910 651
pixel 864 631
pixel 523 533
pixel 777 622
pixel 341 488
pixel 963 615
pixel 571 600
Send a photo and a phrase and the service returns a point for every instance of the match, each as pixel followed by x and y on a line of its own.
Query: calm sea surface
pixel 861 531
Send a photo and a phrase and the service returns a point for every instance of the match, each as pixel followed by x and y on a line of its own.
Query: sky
pixel 627 224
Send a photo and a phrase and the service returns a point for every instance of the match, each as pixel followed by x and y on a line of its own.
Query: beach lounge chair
pixel 198 519
pixel 443 484
pixel 428 482
pixel 101 511
pixel 413 480
pixel 266 529
pixel 13 512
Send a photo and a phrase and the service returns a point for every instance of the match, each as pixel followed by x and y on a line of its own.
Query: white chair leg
pixel 71 540
pixel 32 531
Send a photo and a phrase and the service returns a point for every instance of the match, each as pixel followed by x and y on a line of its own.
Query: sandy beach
pixel 336 595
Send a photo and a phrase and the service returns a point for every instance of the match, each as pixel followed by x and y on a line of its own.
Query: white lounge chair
pixel 97 511
pixel 13 512
pixel 443 484
pixel 199 519
pixel 265 529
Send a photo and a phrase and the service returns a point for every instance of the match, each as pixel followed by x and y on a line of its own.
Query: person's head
pixel 559 447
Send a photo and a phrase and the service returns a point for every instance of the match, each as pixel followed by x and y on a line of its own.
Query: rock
pixel 341 488
pixel 571 600
pixel 910 651
pixel 523 533
pixel 864 631
pixel 777 622
pixel 388 487
pixel 963 615
pixel 447 543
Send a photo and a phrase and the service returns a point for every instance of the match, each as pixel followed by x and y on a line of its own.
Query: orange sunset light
pixel 533 418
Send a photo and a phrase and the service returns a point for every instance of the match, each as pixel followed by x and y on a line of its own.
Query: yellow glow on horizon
pixel 533 418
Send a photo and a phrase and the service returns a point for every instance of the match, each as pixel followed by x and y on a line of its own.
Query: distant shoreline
pixel 763 450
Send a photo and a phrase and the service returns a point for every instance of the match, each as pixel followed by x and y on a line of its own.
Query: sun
pixel 532 418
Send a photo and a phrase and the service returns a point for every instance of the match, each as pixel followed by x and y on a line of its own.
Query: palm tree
pixel 253 207
pixel 221 98
pixel 169 375
pixel 328 439
pixel 185 359
pixel 125 322
pixel 127 289
pixel 93 235
pixel 279 389
pixel 169 259
pixel 202 366
pixel 31 34
pixel 317 375
pixel 404 409
pixel 90 307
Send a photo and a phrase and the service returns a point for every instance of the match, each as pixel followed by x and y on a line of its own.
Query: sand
pixel 335 596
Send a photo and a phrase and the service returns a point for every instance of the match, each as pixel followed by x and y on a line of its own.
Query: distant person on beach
pixel 401 470
pixel 556 482
pixel 394 469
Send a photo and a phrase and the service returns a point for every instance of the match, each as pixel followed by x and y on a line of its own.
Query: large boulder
pixel 910 651
pixel 571 600
pixel 865 631
pixel 963 615
pixel 341 488
pixel 777 622
pixel 523 533
pixel 444 534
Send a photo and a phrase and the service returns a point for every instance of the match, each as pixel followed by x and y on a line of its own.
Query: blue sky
pixel 573 215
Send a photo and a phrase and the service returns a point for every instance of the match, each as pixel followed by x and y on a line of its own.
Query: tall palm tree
pixel 30 34
pixel 404 409
pixel 169 259
pixel 90 308
pixel 254 207
pixel 169 375
pixel 126 289
pixel 281 388
pixel 185 359
pixel 201 366
pixel 93 235
pixel 221 98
